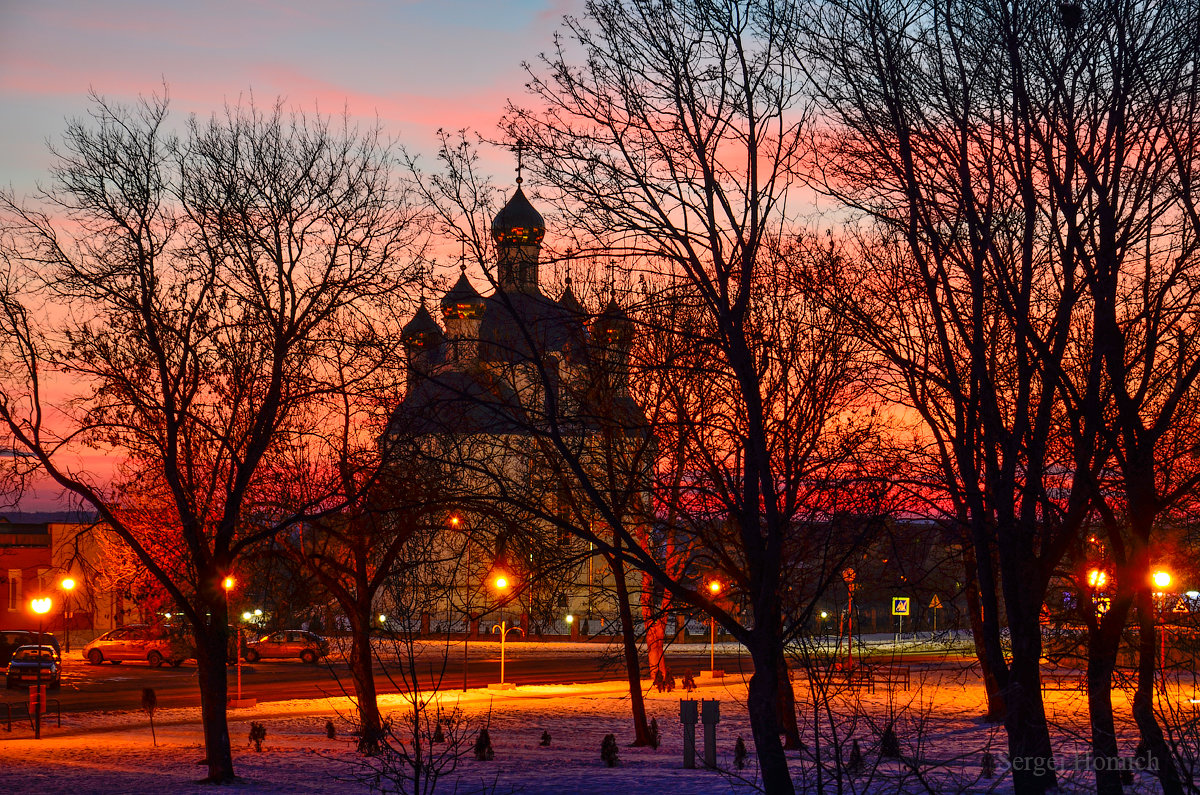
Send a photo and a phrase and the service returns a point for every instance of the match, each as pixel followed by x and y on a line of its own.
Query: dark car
pixel 287 644
pixel 31 665
pixel 13 639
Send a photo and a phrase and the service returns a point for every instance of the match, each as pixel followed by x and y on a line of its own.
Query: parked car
pixel 285 644
pixel 13 639
pixel 33 664
pixel 154 644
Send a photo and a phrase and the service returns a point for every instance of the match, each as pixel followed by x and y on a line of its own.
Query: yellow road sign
pixel 935 603
pixel 900 605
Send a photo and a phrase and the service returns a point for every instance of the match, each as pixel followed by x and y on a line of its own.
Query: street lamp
pixel 1162 581
pixel 848 577
pixel 41 607
pixel 67 585
pixel 228 584
pixel 501 584
pixel 714 588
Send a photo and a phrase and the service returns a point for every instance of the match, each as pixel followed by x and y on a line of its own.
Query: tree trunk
pixel 785 709
pixel 767 654
pixel 1028 735
pixel 1103 644
pixel 996 708
pixel 363 675
pixel 211 654
pixel 1143 697
pixel 641 729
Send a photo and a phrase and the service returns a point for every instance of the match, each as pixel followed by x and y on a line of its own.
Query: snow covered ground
pixel 941 740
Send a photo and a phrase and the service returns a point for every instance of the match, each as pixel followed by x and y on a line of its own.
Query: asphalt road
pixel 87 688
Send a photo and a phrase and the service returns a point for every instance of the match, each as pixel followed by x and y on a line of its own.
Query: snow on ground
pixel 941 738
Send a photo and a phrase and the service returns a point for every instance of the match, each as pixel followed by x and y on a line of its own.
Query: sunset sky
pixel 416 64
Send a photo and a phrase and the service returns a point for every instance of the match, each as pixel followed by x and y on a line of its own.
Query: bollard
pixel 710 716
pixel 687 716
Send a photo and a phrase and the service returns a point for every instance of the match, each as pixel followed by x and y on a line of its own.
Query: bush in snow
pixel 330 730
pixel 258 733
pixel 483 746
pixel 655 737
pixel 987 767
pixel 739 753
pixel 609 751
pixel 855 765
pixel 889 746
pixel 545 738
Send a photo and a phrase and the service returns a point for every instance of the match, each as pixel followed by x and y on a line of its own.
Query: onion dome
pixel 422 331
pixel 613 327
pixel 463 300
pixel 518 223
pixel 570 303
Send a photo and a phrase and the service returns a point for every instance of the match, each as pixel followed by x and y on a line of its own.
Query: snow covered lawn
pixel 940 737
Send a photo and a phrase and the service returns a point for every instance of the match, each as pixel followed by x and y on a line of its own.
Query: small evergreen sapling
pixel 330 730
pixel 655 736
pixel 987 767
pixel 609 751
pixel 545 743
pixel 258 733
pixel 439 736
pixel 889 746
pixel 739 753
pixel 855 765
pixel 483 746
pixel 689 683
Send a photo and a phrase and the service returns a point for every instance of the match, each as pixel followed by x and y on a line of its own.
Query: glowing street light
pixel 228 584
pixel 501 584
pixel 714 588
pixel 1097 578
pixel 68 585
pixel 41 607
pixel 1162 579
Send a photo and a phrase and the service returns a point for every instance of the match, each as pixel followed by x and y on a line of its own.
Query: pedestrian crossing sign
pixel 900 605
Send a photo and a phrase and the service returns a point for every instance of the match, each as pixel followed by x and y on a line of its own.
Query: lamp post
pixel 41 607
pixel 68 585
pixel 228 584
pixel 848 577
pixel 501 584
pixel 714 587
pixel 1162 580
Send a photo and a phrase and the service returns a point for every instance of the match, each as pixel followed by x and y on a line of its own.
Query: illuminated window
pixel 14 589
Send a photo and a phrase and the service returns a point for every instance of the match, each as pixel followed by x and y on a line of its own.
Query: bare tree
pixel 1028 169
pixel 206 287
pixel 672 133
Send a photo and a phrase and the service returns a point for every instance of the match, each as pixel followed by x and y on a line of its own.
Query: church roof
pixel 518 223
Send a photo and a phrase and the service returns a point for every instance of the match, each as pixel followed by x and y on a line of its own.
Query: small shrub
pixel 483 746
pixel 889 746
pixel 330 730
pixel 545 739
pixel 655 736
pixel 258 733
pixel 659 683
pixel 439 736
pixel 609 751
pixel 689 682
pixel 149 704
pixel 670 681
pixel 855 765
pixel 987 767
pixel 739 753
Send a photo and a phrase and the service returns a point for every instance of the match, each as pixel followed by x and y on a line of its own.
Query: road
pixel 88 688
